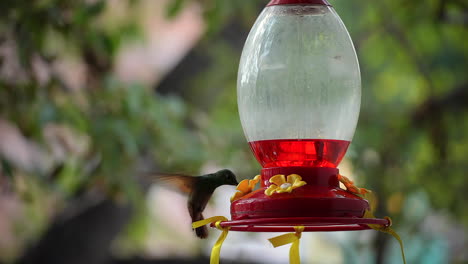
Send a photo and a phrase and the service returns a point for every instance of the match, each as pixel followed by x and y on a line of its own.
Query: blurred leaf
pixel 174 7
pixel 95 8
pixel 6 167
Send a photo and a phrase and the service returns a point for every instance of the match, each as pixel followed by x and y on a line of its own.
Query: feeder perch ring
pixel 311 224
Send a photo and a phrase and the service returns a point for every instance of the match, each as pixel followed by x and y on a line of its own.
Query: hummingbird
pixel 198 189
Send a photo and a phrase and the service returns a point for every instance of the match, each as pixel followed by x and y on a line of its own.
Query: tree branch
pixel 433 107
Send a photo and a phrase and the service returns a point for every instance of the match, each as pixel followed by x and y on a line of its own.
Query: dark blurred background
pixel 93 92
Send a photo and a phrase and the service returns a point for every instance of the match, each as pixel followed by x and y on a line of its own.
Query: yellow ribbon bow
pixel 216 250
pixel 290 238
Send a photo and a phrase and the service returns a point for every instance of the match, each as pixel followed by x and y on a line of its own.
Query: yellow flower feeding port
pixel 281 184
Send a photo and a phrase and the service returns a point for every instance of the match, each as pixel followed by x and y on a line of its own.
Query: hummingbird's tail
pixel 201 232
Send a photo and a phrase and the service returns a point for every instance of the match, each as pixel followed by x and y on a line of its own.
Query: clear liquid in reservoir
pixel 299 152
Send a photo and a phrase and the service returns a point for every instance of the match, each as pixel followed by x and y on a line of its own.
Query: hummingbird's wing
pixel 182 183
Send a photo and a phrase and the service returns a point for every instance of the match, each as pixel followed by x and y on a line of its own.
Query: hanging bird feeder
pixel 299 94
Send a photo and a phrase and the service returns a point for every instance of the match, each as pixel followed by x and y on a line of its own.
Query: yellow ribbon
pixel 290 238
pixel 388 230
pixel 216 250
pixel 368 195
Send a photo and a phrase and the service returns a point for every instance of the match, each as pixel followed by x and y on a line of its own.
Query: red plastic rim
pixel 311 224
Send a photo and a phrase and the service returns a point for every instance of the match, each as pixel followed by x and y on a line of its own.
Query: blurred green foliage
pixel 123 125
pixel 414 64
pixel 411 136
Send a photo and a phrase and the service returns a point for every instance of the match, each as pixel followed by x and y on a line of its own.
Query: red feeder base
pixel 320 205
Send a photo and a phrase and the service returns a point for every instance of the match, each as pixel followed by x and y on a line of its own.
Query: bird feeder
pixel 299 94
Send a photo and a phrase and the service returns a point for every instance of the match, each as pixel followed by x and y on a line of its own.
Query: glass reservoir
pixel 299 86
